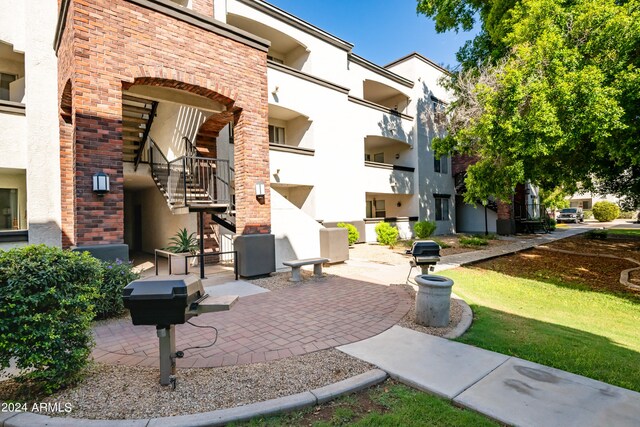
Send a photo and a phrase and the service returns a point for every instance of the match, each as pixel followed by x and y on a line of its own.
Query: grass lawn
pixel 634 232
pixel 562 325
pixel 390 404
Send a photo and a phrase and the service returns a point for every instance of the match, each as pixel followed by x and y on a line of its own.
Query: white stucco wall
pixel 13 141
pixel 172 123
pixel 159 224
pixel 12 23
pixel 471 219
pixel 297 234
pixel 43 133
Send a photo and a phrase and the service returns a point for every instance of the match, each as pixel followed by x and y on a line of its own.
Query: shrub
pixel 588 214
pixel 387 234
pixel 424 229
pixel 46 307
pixel 115 276
pixel 597 234
pixel 442 244
pixel 472 241
pixel 605 211
pixel 354 236
pixel 627 215
pixel 551 223
pixel 489 236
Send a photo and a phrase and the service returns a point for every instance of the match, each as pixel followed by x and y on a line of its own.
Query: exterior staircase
pixel 137 118
pixel 195 182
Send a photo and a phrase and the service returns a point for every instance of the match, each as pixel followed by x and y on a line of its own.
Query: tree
pixel 548 92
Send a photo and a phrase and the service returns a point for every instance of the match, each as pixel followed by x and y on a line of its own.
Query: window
pixel 378 157
pixel 5 80
pixel 441 164
pixel 442 208
pixel 9 209
pixel 276 135
pixel 376 209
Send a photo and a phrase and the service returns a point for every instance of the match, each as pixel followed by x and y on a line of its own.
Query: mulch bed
pixel 598 274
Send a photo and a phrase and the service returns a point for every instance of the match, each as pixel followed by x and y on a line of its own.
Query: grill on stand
pixel 166 301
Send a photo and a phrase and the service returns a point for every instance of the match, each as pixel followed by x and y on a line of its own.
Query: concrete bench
pixel 297 263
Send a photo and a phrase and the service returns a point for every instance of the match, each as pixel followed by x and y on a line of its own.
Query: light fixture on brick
pixel 101 183
pixel 260 191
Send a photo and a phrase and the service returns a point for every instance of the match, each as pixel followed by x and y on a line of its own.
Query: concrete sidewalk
pixel 507 389
pixel 397 274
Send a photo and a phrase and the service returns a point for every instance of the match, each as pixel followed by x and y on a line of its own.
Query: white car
pixel 570 215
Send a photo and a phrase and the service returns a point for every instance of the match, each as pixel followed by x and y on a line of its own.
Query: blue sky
pixel 381 30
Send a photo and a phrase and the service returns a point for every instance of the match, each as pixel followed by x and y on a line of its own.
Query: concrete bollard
pixel 433 300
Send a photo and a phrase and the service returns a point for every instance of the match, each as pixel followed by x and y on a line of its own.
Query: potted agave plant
pixel 181 244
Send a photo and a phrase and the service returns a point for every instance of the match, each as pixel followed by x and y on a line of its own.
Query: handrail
pixel 189 147
pixel 145 135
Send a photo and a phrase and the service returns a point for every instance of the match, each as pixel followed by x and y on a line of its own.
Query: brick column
pixel 99 219
pixel 251 158
pixel 505 223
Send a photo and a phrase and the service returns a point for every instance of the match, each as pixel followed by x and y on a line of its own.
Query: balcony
pixel 284 49
pixel 291 129
pixel 385 178
pixel 12 87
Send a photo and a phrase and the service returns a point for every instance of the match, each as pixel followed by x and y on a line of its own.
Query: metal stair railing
pixel 191 180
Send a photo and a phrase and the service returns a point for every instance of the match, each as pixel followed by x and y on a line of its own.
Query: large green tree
pixel 548 91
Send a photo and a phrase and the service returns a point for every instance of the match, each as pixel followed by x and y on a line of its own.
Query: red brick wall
pixel 204 7
pixel 504 210
pixel 114 43
pixel 460 163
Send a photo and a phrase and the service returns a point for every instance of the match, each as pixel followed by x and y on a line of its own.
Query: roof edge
pixel 380 70
pixel 298 23
pixel 420 57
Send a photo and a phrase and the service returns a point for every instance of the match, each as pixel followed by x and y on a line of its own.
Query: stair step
pixel 133 148
pixel 131 138
pixel 133 120
pixel 135 110
pixel 135 129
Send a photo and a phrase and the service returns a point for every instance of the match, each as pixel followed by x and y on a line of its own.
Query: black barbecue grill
pixel 166 301
pixel 162 300
pixel 426 254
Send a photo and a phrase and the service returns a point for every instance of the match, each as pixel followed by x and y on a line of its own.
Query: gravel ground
pixel 127 392
pixel 408 321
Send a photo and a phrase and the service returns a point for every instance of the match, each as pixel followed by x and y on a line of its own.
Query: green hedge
pixel 387 234
pixel 605 211
pixel 424 229
pixel 115 276
pixel 354 236
pixel 46 308
pixel 472 241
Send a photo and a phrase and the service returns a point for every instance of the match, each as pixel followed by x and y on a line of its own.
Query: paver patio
pixel 264 327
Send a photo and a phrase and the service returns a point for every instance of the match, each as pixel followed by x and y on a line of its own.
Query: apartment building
pixel 233 116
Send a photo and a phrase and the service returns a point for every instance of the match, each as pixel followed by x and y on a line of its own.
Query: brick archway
pixel 171 78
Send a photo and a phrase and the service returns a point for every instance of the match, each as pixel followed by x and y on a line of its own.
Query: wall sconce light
pixel 397 156
pixel 101 183
pixel 260 192
pixel 275 91
pixel 399 204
